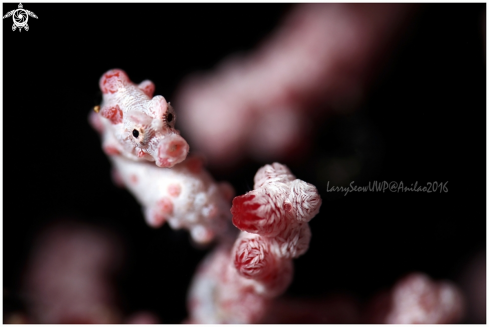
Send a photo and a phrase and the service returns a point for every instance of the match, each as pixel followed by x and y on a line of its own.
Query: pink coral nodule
pixel 244 213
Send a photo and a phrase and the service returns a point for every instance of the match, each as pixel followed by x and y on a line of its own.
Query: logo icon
pixel 20 17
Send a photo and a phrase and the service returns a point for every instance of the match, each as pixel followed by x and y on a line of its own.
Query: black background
pixel 423 120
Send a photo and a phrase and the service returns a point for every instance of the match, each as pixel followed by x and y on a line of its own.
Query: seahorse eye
pixel 135 133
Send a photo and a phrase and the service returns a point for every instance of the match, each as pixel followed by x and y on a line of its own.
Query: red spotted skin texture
pixel 174 190
pixel 177 196
pixel 166 206
pixel 108 83
pixel 139 136
pixel 114 114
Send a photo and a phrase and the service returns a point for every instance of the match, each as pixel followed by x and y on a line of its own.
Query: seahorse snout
pixel 172 150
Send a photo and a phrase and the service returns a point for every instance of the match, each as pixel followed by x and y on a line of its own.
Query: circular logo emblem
pixel 20 17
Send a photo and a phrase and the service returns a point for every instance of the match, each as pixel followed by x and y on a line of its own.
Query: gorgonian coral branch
pixel 264 103
pixel 416 299
pixel 274 222
pixel 68 276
